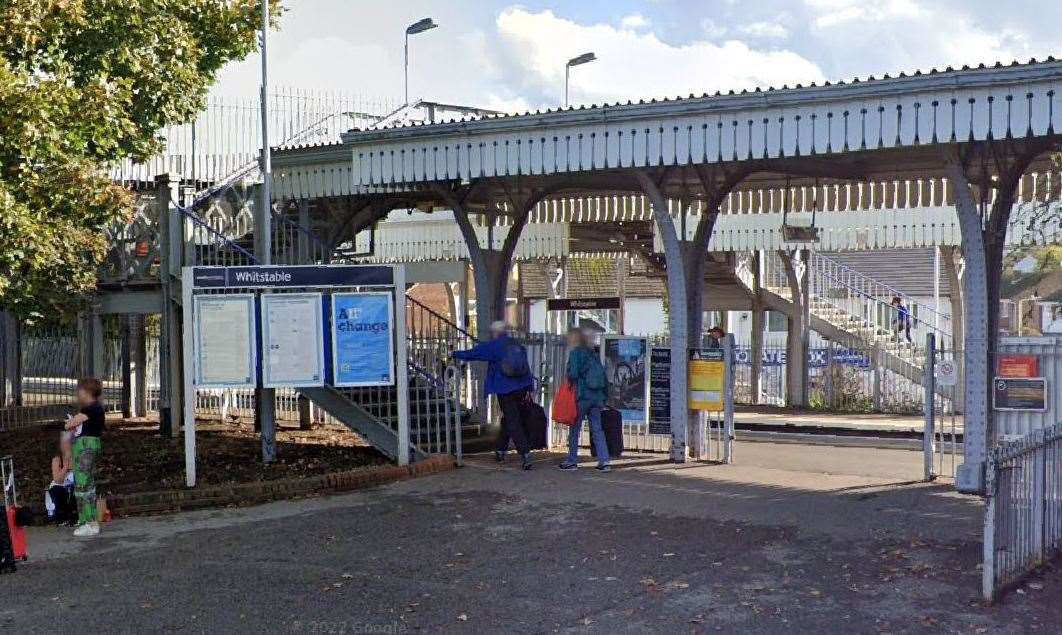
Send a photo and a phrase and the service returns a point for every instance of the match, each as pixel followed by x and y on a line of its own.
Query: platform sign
pixel 225 341
pixel 660 391
pixel 363 339
pixel 292 340
pixel 1018 366
pixel 707 380
pixel 1024 394
pixel 625 361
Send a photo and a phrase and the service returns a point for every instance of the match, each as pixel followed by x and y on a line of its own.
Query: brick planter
pixel 267 491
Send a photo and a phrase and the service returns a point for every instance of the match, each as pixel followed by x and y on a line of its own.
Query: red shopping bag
pixel 565 405
pixel 17 533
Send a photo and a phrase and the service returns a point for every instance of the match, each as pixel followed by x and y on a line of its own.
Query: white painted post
pixel 728 399
pixel 188 371
pixel 401 365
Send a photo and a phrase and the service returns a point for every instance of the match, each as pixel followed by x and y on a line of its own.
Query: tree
pixel 84 83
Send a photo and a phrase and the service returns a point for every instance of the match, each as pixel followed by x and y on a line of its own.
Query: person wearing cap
pixel 715 337
pixel 510 381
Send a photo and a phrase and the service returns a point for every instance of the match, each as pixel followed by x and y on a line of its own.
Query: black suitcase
pixel 534 420
pixel 612 424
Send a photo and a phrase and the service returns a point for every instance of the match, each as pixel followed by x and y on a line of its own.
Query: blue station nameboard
pixel 280 276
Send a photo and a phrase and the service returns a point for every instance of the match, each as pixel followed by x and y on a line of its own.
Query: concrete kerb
pixel 145 503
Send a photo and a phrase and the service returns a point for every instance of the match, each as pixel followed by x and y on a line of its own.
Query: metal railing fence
pixel 1023 511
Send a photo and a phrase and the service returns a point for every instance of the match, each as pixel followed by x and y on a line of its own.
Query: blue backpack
pixel 514 362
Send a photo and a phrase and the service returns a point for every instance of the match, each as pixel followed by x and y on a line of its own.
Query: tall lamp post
pixel 420 26
pixel 585 58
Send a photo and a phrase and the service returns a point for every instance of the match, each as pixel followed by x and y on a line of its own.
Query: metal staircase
pixel 849 306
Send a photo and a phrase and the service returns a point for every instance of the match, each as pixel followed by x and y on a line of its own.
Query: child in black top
pixel 87 426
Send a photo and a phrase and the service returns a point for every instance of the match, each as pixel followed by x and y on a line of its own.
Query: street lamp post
pixel 585 58
pixel 417 27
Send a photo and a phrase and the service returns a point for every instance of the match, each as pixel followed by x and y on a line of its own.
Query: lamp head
pixel 421 26
pixel 585 58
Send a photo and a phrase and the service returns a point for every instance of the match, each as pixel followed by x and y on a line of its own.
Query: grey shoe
pixel 604 468
pixel 569 467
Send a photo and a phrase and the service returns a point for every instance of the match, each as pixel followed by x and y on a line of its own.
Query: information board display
pixel 224 344
pixel 292 340
pixel 363 339
pixel 625 366
pixel 660 391
pixel 1027 394
pixel 707 380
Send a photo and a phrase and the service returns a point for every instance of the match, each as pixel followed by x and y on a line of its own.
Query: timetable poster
pixel 224 341
pixel 363 339
pixel 292 340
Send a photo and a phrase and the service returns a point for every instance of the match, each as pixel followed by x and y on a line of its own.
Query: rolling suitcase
pixel 612 424
pixel 534 420
pixel 7 554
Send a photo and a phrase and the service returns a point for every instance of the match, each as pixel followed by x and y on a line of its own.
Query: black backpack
pixel 514 362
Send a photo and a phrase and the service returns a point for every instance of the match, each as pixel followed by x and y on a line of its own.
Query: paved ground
pixel 792 538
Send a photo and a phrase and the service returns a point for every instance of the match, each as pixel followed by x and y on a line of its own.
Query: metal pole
pixel 187 380
pixel 567 73
pixel 929 427
pixel 401 366
pixel 406 69
pixel 266 397
pixel 728 398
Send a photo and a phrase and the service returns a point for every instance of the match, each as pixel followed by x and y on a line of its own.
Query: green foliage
pixel 84 83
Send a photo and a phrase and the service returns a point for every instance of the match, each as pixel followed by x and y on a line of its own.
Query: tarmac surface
pixel 789 539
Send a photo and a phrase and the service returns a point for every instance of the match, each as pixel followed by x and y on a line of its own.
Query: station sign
pixel 281 276
pixel 1018 366
pixel 582 304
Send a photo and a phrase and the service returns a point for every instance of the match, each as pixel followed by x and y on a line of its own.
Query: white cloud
pixel 771 30
pixel 635 21
pixel 907 34
pixel 633 65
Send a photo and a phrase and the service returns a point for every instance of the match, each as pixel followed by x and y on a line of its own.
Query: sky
pixel 508 56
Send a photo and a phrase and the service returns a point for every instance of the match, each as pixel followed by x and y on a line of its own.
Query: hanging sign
pixel 1026 394
pixel 660 391
pixel 707 380
pixel 225 341
pixel 292 340
pixel 363 339
pixel 582 304
pixel 625 362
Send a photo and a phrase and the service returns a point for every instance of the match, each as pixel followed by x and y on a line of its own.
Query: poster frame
pixel 645 372
pixel 252 334
pixel 318 300
pixel 391 334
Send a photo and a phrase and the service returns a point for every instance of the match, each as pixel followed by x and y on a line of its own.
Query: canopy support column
pixel 677 318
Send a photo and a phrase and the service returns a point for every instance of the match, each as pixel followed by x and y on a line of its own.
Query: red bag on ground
pixel 18 535
pixel 565 405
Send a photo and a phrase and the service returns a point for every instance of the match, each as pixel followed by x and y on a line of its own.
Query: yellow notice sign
pixel 707 380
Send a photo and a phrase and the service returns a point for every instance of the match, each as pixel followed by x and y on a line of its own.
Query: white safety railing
pixel 1023 512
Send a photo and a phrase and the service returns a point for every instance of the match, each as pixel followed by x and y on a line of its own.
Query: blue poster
pixel 363 339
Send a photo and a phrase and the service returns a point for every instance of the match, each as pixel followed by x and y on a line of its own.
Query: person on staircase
pixel 587 374
pixel 509 378
pixel 903 319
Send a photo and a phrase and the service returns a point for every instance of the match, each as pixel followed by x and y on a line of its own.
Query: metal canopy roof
pixel 860 129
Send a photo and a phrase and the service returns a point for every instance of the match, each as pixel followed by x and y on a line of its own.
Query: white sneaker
pixel 88 530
